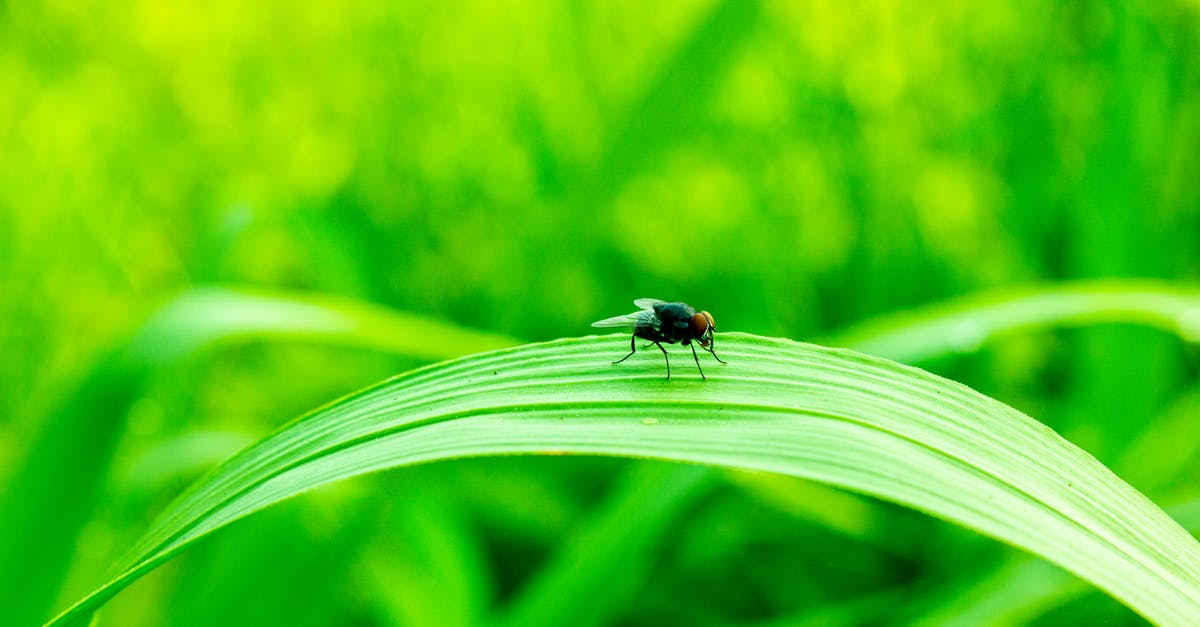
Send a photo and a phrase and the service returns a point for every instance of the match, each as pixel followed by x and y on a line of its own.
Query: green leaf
pixel 611 552
pixel 208 316
pixel 963 325
pixel 836 416
pixel 1020 590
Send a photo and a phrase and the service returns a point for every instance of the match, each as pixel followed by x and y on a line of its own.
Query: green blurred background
pixel 526 168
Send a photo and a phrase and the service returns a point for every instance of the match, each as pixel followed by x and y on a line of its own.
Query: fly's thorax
pixel 675 320
pixel 671 313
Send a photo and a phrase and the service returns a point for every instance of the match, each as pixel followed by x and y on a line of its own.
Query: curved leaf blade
pixel 963 325
pixel 854 421
pixel 584 560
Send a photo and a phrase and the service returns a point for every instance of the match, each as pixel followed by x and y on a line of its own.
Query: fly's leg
pixel 632 350
pixel 714 354
pixel 697 358
pixel 666 357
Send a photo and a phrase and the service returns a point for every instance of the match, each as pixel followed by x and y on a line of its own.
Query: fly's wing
pixel 643 318
pixel 648 303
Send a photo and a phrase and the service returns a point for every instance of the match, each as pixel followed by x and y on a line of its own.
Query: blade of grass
pixel 612 551
pixel 1019 591
pixel 72 451
pixel 428 567
pixel 82 428
pixel 863 610
pixel 578 564
pixel 854 421
pixel 675 97
pixel 966 324
pixel 209 316
pixel 963 325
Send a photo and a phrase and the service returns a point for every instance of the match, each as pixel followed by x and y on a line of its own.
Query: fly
pixel 674 323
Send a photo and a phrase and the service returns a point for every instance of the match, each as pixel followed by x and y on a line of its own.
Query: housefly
pixel 674 323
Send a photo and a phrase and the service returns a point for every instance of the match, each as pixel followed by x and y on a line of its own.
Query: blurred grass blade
pixel 660 118
pixel 212 315
pixel 612 552
pixel 963 325
pixel 73 448
pixel 1020 591
pixel 848 419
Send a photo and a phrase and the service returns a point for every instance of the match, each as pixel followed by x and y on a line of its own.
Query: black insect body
pixel 674 323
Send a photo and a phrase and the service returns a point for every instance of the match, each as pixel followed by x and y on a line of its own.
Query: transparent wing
pixel 648 303
pixel 641 318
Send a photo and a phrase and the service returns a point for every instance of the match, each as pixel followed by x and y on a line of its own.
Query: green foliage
pixel 215 217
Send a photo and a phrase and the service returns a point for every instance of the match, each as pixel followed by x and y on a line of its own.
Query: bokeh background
pixel 524 169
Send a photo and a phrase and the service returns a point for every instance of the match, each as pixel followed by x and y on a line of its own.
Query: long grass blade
pixel 963 325
pixel 851 420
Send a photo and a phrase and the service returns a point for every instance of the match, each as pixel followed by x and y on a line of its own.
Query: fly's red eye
pixel 702 327
pixel 712 326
